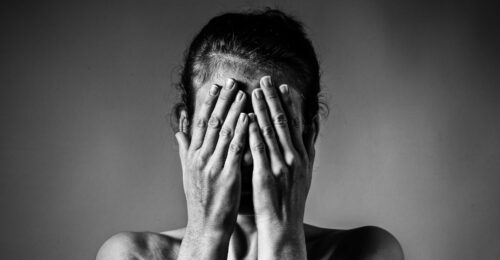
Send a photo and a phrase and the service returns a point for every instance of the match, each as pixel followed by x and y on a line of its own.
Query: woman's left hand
pixel 281 172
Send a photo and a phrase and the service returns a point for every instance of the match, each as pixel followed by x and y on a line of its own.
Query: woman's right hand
pixel 211 170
